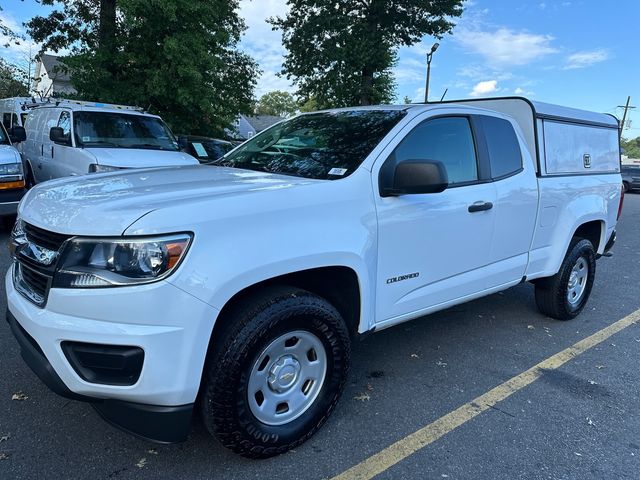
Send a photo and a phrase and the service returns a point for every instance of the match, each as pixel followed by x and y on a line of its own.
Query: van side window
pixel 64 122
pixel 448 140
pixel 6 120
pixel 504 150
pixel 14 120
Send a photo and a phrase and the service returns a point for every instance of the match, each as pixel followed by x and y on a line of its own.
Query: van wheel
pixel 278 374
pixel 29 179
pixel 564 295
pixel 625 186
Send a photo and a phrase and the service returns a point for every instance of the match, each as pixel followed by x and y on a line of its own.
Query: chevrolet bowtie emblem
pixel 40 254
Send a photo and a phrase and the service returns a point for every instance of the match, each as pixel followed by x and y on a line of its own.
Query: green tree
pixel 277 103
pixel 342 53
pixel 407 100
pixel 12 81
pixel 177 58
pixel 631 147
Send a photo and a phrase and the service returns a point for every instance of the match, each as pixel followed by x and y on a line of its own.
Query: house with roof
pixel 52 79
pixel 246 126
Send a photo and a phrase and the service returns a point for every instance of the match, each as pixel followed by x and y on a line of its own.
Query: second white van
pixel 75 138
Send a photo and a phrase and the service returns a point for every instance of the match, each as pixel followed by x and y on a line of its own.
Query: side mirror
pixel 56 135
pixel 415 177
pixel 183 143
pixel 17 134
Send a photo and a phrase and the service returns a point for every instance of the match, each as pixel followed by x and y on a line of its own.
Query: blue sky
pixel 580 53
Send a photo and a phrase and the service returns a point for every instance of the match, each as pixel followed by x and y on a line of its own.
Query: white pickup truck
pixel 236 289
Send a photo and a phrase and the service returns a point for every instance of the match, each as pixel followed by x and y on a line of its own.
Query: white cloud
pixel 484 88
pixel 523 92
pixel 263 44
pixel 586 58
pixel 505 47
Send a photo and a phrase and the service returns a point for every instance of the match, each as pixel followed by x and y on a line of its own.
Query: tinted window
pixel 6 120
pixel 448 140
pixel 14 118
pixel 327 145
pixel 503 146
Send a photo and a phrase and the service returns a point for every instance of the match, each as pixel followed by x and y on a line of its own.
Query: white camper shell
pixel 565 141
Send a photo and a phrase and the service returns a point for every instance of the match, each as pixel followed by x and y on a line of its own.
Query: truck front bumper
pixel 170 326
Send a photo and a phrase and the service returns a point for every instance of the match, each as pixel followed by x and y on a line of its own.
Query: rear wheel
pixel 279 373
pixel 626 187
pixel 564 295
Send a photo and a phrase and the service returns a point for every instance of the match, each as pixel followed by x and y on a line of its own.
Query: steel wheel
pixel 577 281
pixel 287 377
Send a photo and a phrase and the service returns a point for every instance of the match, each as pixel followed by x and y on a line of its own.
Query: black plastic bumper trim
pixel 156 423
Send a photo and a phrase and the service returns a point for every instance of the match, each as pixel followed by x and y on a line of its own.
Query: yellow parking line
pixel 419 439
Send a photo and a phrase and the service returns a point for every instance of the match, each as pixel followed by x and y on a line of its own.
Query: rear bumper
pixel 163 424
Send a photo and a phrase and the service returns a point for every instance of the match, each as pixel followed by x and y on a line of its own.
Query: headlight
pixel 11 169
pixel 88 262
pixel 95 168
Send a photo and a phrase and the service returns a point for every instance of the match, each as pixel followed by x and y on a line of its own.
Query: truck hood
pixel 8 154
pixel 106 204
pixel 140 158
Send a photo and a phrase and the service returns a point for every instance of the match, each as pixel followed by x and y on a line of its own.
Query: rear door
pixel 515 209
pixel 434 248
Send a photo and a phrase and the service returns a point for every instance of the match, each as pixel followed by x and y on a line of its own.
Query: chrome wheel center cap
pixel 283 374
pixel 573 279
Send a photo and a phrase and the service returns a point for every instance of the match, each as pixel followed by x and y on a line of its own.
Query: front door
pixel 433 248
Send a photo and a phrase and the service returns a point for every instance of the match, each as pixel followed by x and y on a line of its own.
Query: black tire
pixel 29 179
pixel 552 293
pixel 626 186
pixel 253 326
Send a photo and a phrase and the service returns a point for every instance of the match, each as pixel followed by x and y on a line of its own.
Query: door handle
pixel 480 207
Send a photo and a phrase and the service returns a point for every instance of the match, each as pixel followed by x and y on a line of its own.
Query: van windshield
pixel 121 130
pixel 327 145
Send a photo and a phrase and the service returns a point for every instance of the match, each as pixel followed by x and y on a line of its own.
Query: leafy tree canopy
pixel 341 53
pixel 277 103
pixel 631 147
pixel 12 81
pixel 177 58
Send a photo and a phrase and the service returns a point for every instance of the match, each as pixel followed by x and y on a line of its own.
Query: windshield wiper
pixel 100 142
pixel 151 146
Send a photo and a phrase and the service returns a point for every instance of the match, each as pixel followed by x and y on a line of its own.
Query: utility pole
pixel 626 107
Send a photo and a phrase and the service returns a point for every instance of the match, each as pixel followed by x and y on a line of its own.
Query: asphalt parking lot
pixel 578 421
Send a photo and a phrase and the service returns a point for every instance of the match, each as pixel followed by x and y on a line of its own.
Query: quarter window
pixel 504 150
pixel 448 140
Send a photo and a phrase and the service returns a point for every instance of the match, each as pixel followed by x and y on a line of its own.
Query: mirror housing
pixel 17 134
pixel 56 135
pixel 416 177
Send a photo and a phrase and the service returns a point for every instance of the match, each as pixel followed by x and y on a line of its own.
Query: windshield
pixel 321 145
pixel 121 130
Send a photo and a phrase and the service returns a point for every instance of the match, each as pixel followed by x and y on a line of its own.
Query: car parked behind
pixel 205 149
pixel 69 137
pixel 630 177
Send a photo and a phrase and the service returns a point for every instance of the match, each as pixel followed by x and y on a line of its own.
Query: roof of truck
pixel 540 109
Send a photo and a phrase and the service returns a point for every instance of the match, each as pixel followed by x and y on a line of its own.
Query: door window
pixel 64 122
pixel 448 140
pixel 504 150
pixel 6 120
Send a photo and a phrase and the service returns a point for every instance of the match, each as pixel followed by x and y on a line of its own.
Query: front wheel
pixel 564 295
pixel 279 373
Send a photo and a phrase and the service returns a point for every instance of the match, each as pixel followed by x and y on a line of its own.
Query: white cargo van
pixel 14 112
pixel 237 287
pixel 75 138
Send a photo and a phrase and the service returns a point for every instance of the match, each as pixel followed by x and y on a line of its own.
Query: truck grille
pixel 44 238
pixel 31 277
